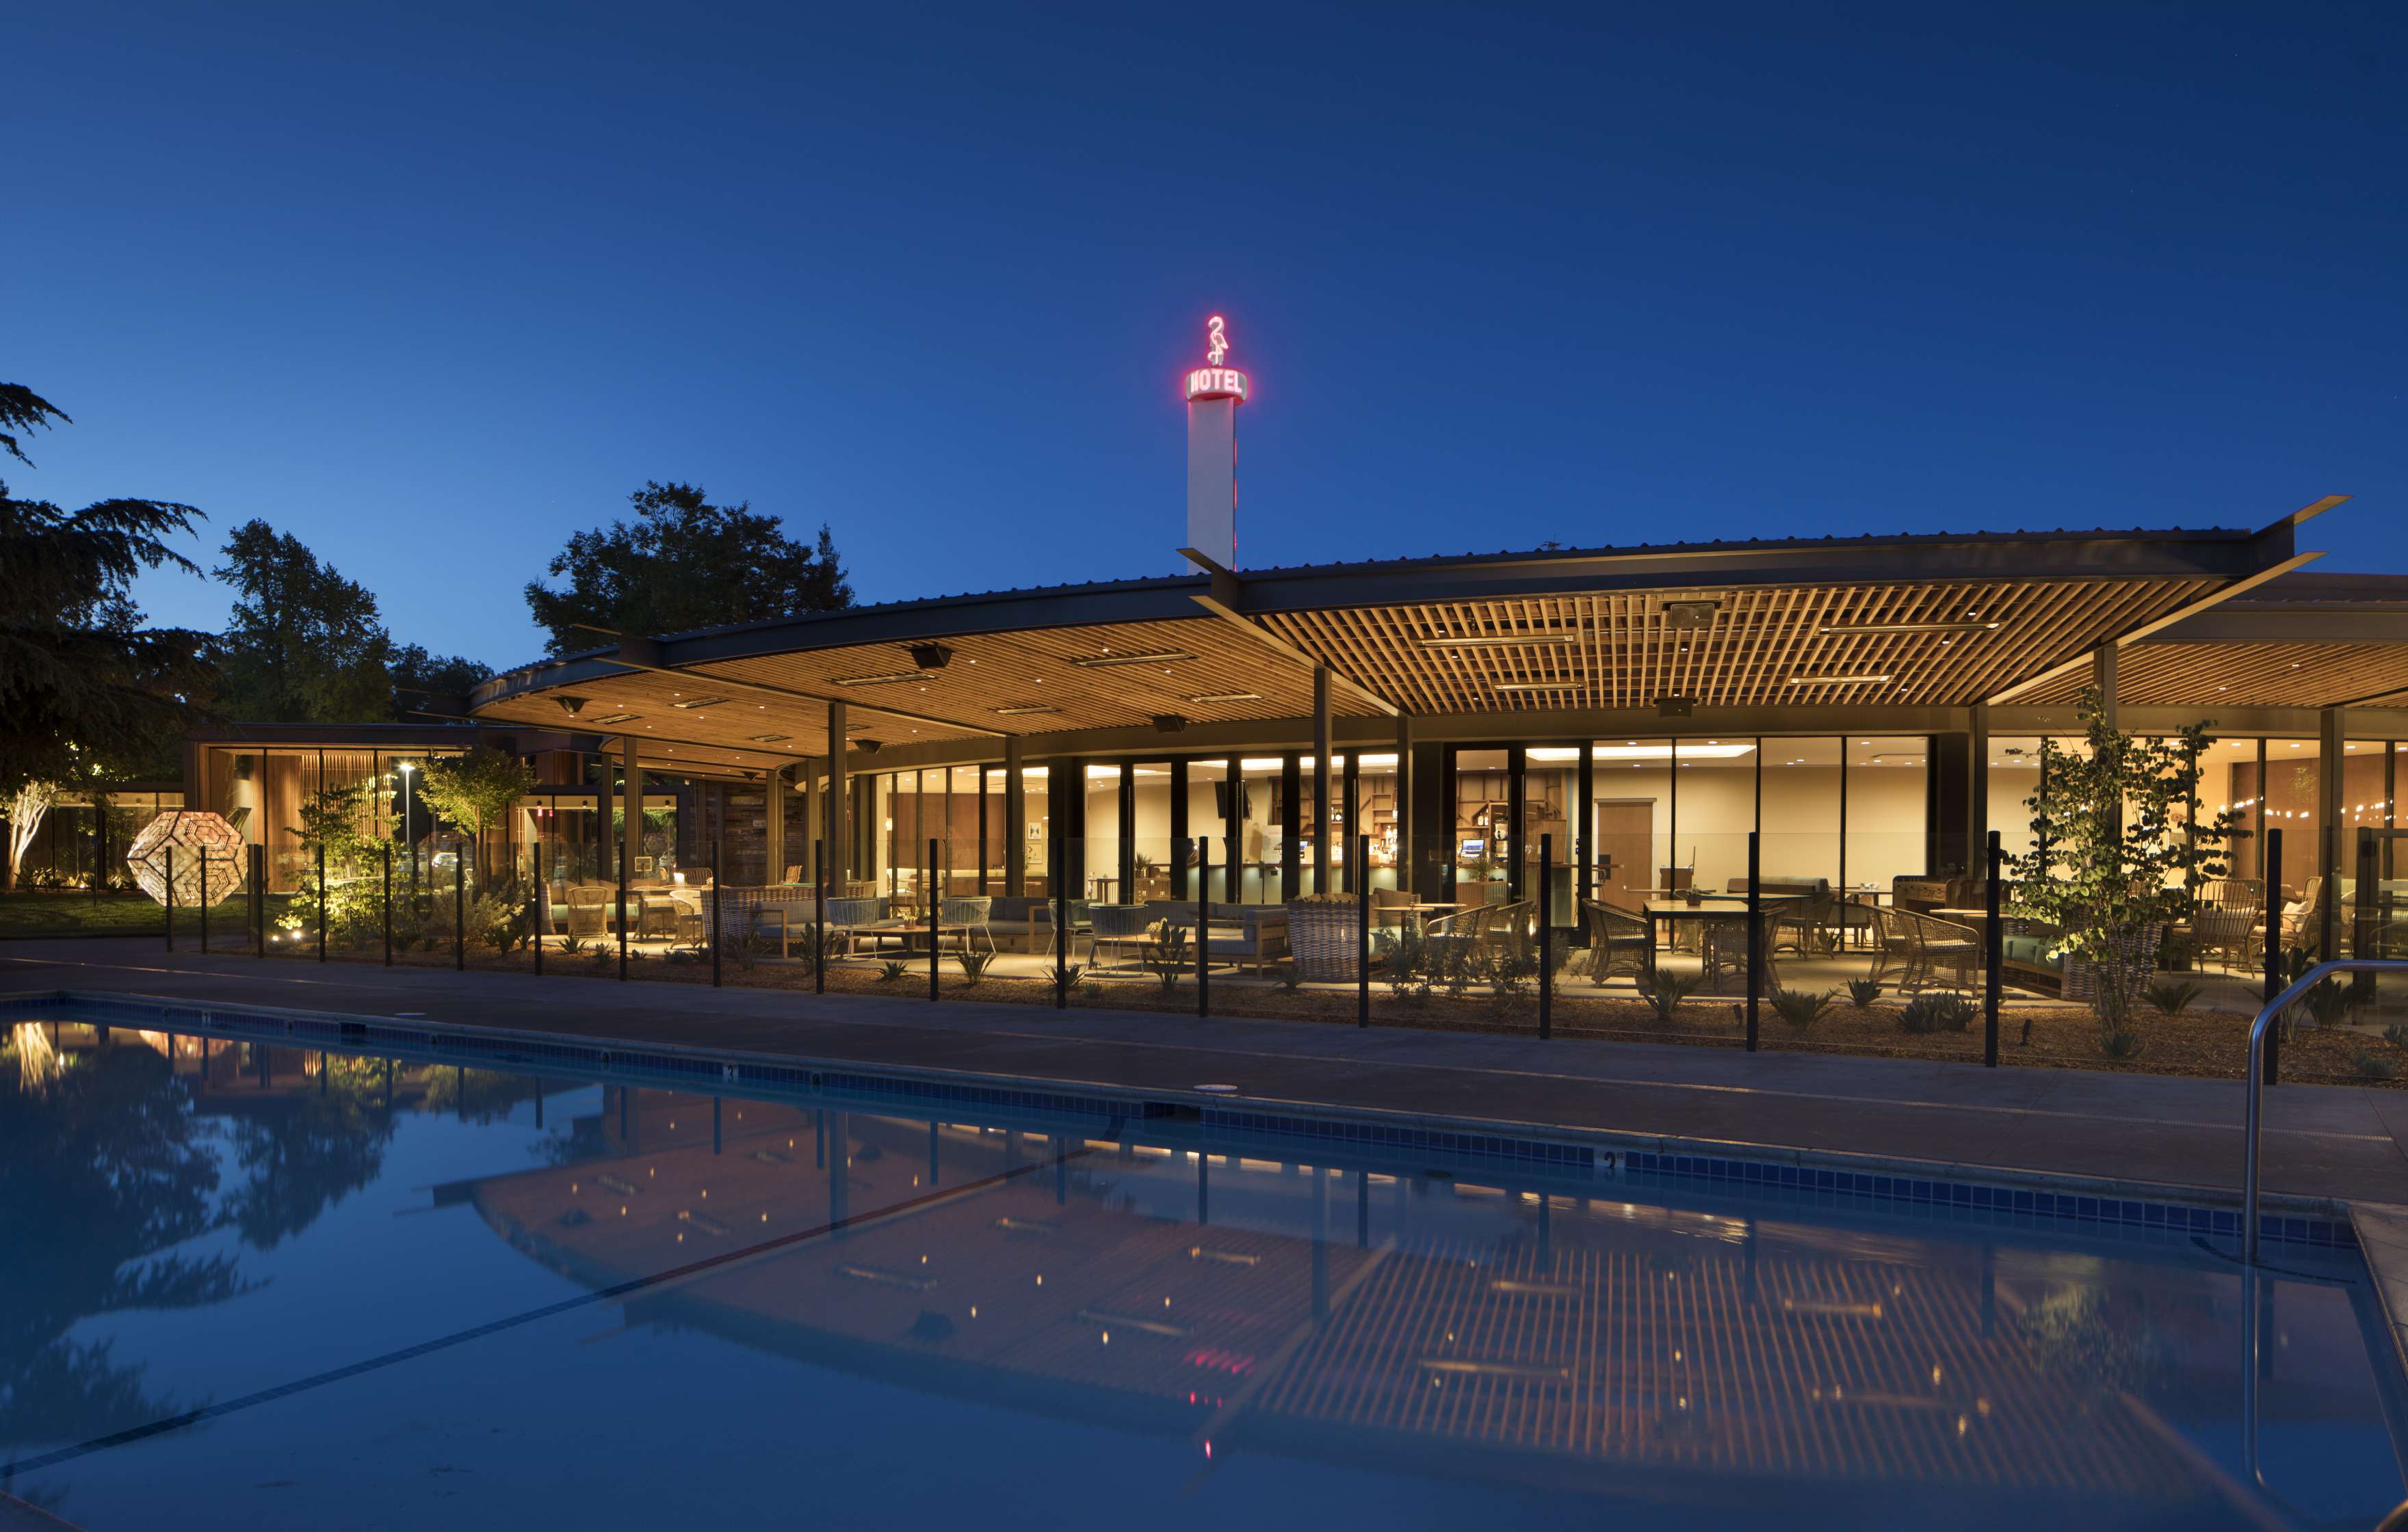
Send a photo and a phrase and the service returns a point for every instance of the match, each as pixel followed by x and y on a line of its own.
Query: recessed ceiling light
pixel 1228 696
pixel 770 738
pixel 698 702
pixel 1845 628
pixel 1537 686
pixel 1027 708
pixel 889 678
pixel 1497 640
pixel 1837 680
pixel 614 718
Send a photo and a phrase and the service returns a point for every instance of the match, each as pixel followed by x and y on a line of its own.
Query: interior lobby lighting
pixel 1655 750
pixel 1828 628
pixel 1092 662
pixel 1027 708
pixel 1496 640
pixel 1837 680
pixel 1228 696
pixel 691 703
pixel 889 678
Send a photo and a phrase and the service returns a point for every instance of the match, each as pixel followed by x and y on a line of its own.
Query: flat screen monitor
pixel 1474 846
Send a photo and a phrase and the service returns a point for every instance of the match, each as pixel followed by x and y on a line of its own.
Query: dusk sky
pixel 435 287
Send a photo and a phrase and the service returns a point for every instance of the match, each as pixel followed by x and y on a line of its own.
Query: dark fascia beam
pixel 2167 555
pixel 1147 601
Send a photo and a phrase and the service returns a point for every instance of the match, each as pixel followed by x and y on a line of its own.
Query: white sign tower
pixel 1214 395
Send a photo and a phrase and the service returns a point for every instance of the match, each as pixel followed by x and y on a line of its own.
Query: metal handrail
pixel 2253 1115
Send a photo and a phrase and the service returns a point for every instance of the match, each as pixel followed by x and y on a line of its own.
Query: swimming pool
pixel 252 1282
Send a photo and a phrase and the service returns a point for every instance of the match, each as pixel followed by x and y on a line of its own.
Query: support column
pixel 2105 667
pixel 1583 828
pixel 1404 803
pixel 1015 819
pixel 839 829
pixel 1977 790
pixel 773 868
pixel 1321 779
pixel 2330 859
pixel 811 821
pixel 631 834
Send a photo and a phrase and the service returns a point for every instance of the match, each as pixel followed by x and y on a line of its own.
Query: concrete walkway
pixel 2323 1141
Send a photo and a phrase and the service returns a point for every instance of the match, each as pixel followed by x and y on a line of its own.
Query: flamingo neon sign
pixel 1216 381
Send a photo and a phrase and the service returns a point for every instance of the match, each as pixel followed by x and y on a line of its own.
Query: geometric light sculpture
pixel 192 835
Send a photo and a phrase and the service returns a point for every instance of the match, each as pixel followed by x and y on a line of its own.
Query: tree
pixel 27 808
pixel 684 563
pixel 86 690
pixel 418 676
pixel 304 645
pixel 475 790
pixel 2119 844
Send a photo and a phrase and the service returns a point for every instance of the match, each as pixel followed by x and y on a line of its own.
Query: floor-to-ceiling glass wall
pixel 1889 802
pixel 1482 826
pixel 1260 844
pixel 1632 820
pixel 1716 809
pixel 1208 818
pixel 1374 814
pixel 1148 858
pixel 1550 796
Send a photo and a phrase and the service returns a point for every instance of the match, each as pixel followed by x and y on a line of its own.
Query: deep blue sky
pixel 433 288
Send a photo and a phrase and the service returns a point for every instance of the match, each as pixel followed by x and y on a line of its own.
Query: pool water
pixel 258 1286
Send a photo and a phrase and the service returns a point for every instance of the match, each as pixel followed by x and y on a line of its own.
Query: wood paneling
pixel 1626 653
pixel 2245 674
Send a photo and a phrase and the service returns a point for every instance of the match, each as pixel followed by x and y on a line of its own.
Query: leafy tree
pixel 418 676
pixel 2119 843
pixel 87 691
pixel 684 563
pixel 474 791
pixel 304 645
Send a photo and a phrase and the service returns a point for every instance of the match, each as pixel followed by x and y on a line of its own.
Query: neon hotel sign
pixel 1216 381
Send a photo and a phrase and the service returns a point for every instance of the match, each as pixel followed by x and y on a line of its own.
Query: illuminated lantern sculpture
pixel 192 838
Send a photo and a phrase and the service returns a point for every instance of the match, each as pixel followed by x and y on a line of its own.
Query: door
pixel 1625 851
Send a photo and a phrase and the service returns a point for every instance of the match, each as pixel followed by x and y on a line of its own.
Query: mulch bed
pixel 2202 1044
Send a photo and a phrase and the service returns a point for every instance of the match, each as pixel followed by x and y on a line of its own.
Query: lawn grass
pixel 27 913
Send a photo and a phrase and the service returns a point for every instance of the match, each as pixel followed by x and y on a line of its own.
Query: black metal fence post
pixel 169 852
pixel 1362 931
pixel 538 919
pixel 205 898
pixel 459 912
pixel 322 901
pixel 714 911
pixel 928 889
pixel 1546 936
pixel 2362 931
pixel 1754 930
pixel 1203 925
pixel 1061 927
pixel 258 860
pixel 388 903
pixel 623 917
pixel 819 916
pixel 2273 948
pixel 1994 949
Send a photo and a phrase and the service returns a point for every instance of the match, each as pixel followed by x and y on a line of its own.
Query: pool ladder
pixel 2253 1116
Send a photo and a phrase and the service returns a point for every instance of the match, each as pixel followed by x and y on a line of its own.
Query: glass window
pixel 1550 791
pixel 1258 830
pixel 1632 820
pixel 1150 849
pixel 1208 806
pixel 1103 842
pixel 1717 807
pixel 1481 827
pixel 1374 814
pixel 1888 792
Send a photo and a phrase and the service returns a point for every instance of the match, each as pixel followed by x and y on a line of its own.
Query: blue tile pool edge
pixel 1974 1191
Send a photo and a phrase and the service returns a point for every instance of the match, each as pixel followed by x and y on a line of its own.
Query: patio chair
pixel 1120 930
pixel 969 911
pixel 1619 941
pixel 2247 894
pixel 1388 906
pixel 1721 947
pixel 2229 936
pixel 1808 926
pixel 851 919
pixel 1923 945
pixel 588 909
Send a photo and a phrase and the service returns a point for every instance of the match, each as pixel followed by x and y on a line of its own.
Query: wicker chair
pixel 1807 927
pixel 1722 949
pixel 1922 945
pixel 2226 935
pixel 1619 941
pixel 588 909
pixel 2233 894
pixel 1388 906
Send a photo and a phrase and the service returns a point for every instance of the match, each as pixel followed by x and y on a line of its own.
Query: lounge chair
pixel 1619 941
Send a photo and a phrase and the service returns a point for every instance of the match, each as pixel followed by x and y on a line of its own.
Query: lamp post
pixel 405 768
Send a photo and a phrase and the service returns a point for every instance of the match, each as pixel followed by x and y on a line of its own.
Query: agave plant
pixel 2119 1042
pixel 2172 997
pixel 973 966
pixel 892 969
pixel 1801 1008
pixel 1669 991
pixel 1936 1010
pixel 1862 993
pixel 2375 1067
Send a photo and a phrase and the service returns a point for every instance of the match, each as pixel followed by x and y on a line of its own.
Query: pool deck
pixel 2327 1142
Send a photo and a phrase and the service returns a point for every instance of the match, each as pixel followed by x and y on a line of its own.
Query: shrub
pixel 1801 1008
pixel 1862 993
pixel 1165 953
pixel 973 966
pixel 2397 1034
pixel 2375 1067
pixel 892 969
pixel 2119 1042
pixel 1670 990
pixel 2172 997
pixel 1936 1010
